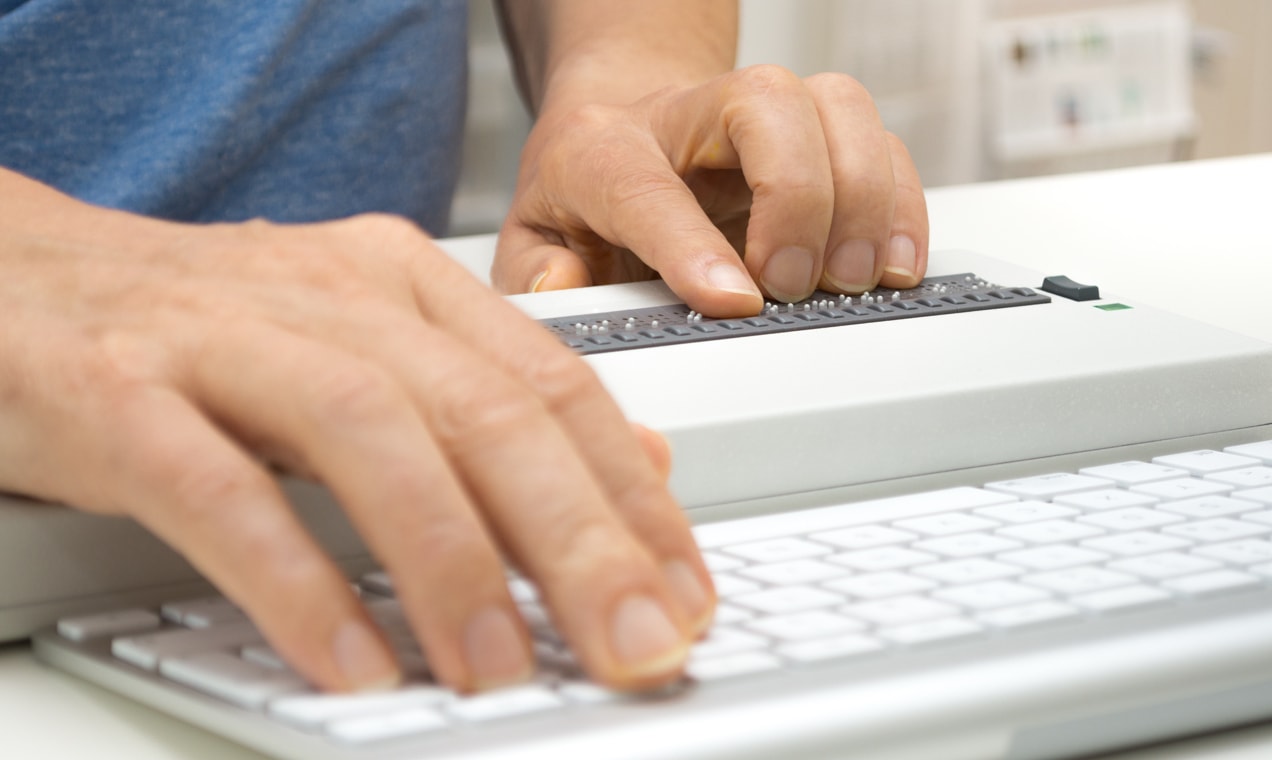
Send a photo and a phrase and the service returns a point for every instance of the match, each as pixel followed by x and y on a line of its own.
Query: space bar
pixel 845 515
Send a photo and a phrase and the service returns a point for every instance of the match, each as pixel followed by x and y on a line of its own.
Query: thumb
pixel 526 262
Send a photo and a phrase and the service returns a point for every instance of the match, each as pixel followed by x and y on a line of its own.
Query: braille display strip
pixel 674 324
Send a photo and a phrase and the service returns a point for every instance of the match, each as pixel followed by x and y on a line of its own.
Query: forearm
pixel 31 210
pixel 573 52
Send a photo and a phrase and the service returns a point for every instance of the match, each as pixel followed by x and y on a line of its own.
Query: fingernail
pixel 902 256
pixel 851 266
pixel 494 649
pixel 363 659
pixel 730 279
pixel 537 281
pixel 689 591
pixel 644 638
pixel 788 275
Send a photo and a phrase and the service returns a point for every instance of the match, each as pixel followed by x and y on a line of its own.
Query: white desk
pixel 1188 237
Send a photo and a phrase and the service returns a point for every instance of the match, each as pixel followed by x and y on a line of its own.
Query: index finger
pixel 600 434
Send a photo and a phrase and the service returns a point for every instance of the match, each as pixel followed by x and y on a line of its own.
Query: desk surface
pixel 1190 238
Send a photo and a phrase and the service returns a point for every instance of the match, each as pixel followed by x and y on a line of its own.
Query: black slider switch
pixel 1062 286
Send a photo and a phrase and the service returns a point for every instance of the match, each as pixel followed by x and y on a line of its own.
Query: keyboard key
pixel 727 586
pixel 1205 461
pixel 932 632
pixel 864 536
pixel 1261 451
pixel 818 624
pixel 743 664
pixel 776 601
pixel 1046 487
pixel 1079 580
pixel 967 545
pixel 974 570
pixel 1213 583
pixel 882 558
pixel 989 595
pixel 1136 543
pixel 879 585
pixel 901 610
pixel 203 612
pixel 946 524
pixel 1133 473
pixel 375 727
pixel 1182 488
pixel 834 648
pixel 118 623
pixel 1166 565
pixel 1246 477
pixel 1124 599
pixel 1050 531
pixel 588 693
pixel 265 656
pixel 777 550
pixel 1246 552
pixel 149 649
pixel 310 711
pixel 1106 498
pixel 721 640
pixel 523 591
pixel 1053 557
pixel 728 614
pixel 1134 518
pixel 800 571
pixel 719 563
pixel 1261 495
pixel 229 677
pixel 1026 511
pixel 1029 615
pixel 1218 529
pixel 1210 506
pixel 377 583
pixel 504 703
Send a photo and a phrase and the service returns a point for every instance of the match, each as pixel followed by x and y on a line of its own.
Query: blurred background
pixel 978 89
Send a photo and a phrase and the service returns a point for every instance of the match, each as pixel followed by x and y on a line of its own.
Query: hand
pixel 797 177
pixel 164 365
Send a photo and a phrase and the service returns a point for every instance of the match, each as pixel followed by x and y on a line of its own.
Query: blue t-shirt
pixel 212 110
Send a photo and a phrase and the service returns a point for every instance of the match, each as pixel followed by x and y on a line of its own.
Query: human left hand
pixel 755 184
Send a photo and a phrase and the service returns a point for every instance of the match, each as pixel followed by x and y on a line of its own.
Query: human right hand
pixel 156 370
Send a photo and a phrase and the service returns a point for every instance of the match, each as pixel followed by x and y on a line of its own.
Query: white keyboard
pixel 832 589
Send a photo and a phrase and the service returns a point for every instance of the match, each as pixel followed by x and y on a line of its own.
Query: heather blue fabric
pixel 209 110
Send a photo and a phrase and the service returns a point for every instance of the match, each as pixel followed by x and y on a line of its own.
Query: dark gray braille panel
pixel 674 324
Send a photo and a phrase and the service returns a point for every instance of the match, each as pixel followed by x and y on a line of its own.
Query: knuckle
pixel 579 543
pixel 479 412
pixel 355 394
pixel 840 88
pixel 201 490
pixel 560 377
pixel 765 78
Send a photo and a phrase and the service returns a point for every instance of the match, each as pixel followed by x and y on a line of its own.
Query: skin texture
pixel 760 184
pixel 168 365
pixel 173 368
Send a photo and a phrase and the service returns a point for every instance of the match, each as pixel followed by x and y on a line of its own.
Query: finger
pixel 527 262
pixel 907 256
pixel 864 185
pixel 598 433
pixel 196 490
pixel 357 428
pixel 530 262
pixel 630 196
pixel 765 120
pixel 656 448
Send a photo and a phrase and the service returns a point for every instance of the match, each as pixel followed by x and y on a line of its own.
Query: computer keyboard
pixel 816 591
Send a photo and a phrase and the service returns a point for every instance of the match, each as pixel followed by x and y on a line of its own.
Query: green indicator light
pixel 1111 306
